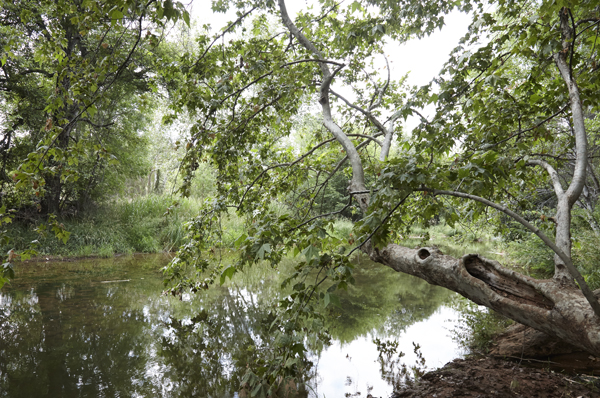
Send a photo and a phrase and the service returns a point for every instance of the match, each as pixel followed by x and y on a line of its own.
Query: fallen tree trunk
pixel 557 310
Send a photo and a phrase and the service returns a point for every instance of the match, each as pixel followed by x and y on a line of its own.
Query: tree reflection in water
pixel 68 330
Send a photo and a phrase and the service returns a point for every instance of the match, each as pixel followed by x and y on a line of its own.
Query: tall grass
pixel 147 224
pixel 457 241
pixel 536 259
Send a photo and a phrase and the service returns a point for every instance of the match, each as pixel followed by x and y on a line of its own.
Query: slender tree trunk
pixel 563 241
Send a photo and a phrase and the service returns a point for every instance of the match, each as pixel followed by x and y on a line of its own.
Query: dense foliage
pixel 73 81
pixel 502 113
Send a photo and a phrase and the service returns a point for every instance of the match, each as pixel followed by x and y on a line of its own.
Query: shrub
pixel 478 326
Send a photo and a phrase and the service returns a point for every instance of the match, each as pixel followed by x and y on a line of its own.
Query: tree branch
pixel 323 215
pixel 381 224
pixel 88 121
pixel 580 134
pixel 367 137
pixel 384 89
pixel 40 71
pixel 222 34
pixel 289 164
pixel 358 174
pixel 367 113
pixel 589 295
pixel 558 189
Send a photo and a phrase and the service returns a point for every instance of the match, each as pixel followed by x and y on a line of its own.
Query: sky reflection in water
pixel 101 328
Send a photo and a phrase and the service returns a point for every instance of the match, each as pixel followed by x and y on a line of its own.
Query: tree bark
pixel 546 305
pixel 568 199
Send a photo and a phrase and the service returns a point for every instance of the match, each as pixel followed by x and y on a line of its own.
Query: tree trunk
pixel 546 305
pixel 563 241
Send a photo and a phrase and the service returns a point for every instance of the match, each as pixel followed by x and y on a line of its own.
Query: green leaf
pixel 116 14
pixel 227 272
pixel 239 241
pixel 333 299
pixel 534 98
pixel 266 248
pixel 310 252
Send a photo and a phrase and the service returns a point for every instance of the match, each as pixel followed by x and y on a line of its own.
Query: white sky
pixel 422 59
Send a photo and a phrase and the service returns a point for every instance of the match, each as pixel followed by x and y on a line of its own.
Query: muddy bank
pixel 522 362
pixel 493 377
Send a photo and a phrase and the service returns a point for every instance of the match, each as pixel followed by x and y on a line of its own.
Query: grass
pixel 342 229
pixel 532 257
pixel 146 224
pixel 149 224
pixel 457 241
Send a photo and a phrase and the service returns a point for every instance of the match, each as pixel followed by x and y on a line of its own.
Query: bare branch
pixel 367 137
pixel 558 189
pixel 384 89
pixel 367 113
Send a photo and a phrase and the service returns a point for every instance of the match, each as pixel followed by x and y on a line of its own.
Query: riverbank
pixel 148 224
pixel 71 259
pixel 493 377
pixel 521 362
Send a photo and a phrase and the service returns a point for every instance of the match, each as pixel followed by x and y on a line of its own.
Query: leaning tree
pixel 511 109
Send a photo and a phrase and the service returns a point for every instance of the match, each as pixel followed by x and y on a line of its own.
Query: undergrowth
pixel 478 326
pixel 148 224
pixel 531 256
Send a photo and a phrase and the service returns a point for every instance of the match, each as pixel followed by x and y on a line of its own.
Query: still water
pixel 102 328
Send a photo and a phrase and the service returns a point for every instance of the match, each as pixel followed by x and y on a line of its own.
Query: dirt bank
pixel 493 377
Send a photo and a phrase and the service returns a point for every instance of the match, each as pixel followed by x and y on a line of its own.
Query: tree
pixel 73 79
pixel 509 114
pixel 72 71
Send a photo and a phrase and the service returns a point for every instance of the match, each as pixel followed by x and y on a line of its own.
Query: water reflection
pixel 102 329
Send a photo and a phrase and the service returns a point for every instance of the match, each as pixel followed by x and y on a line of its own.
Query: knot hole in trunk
pixel 423 253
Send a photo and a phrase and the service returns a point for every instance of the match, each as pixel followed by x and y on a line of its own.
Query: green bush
pixel 478 326
pixel 531 254
pixel 586 256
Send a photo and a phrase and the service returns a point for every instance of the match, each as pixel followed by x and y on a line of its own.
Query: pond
pixel 103 328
